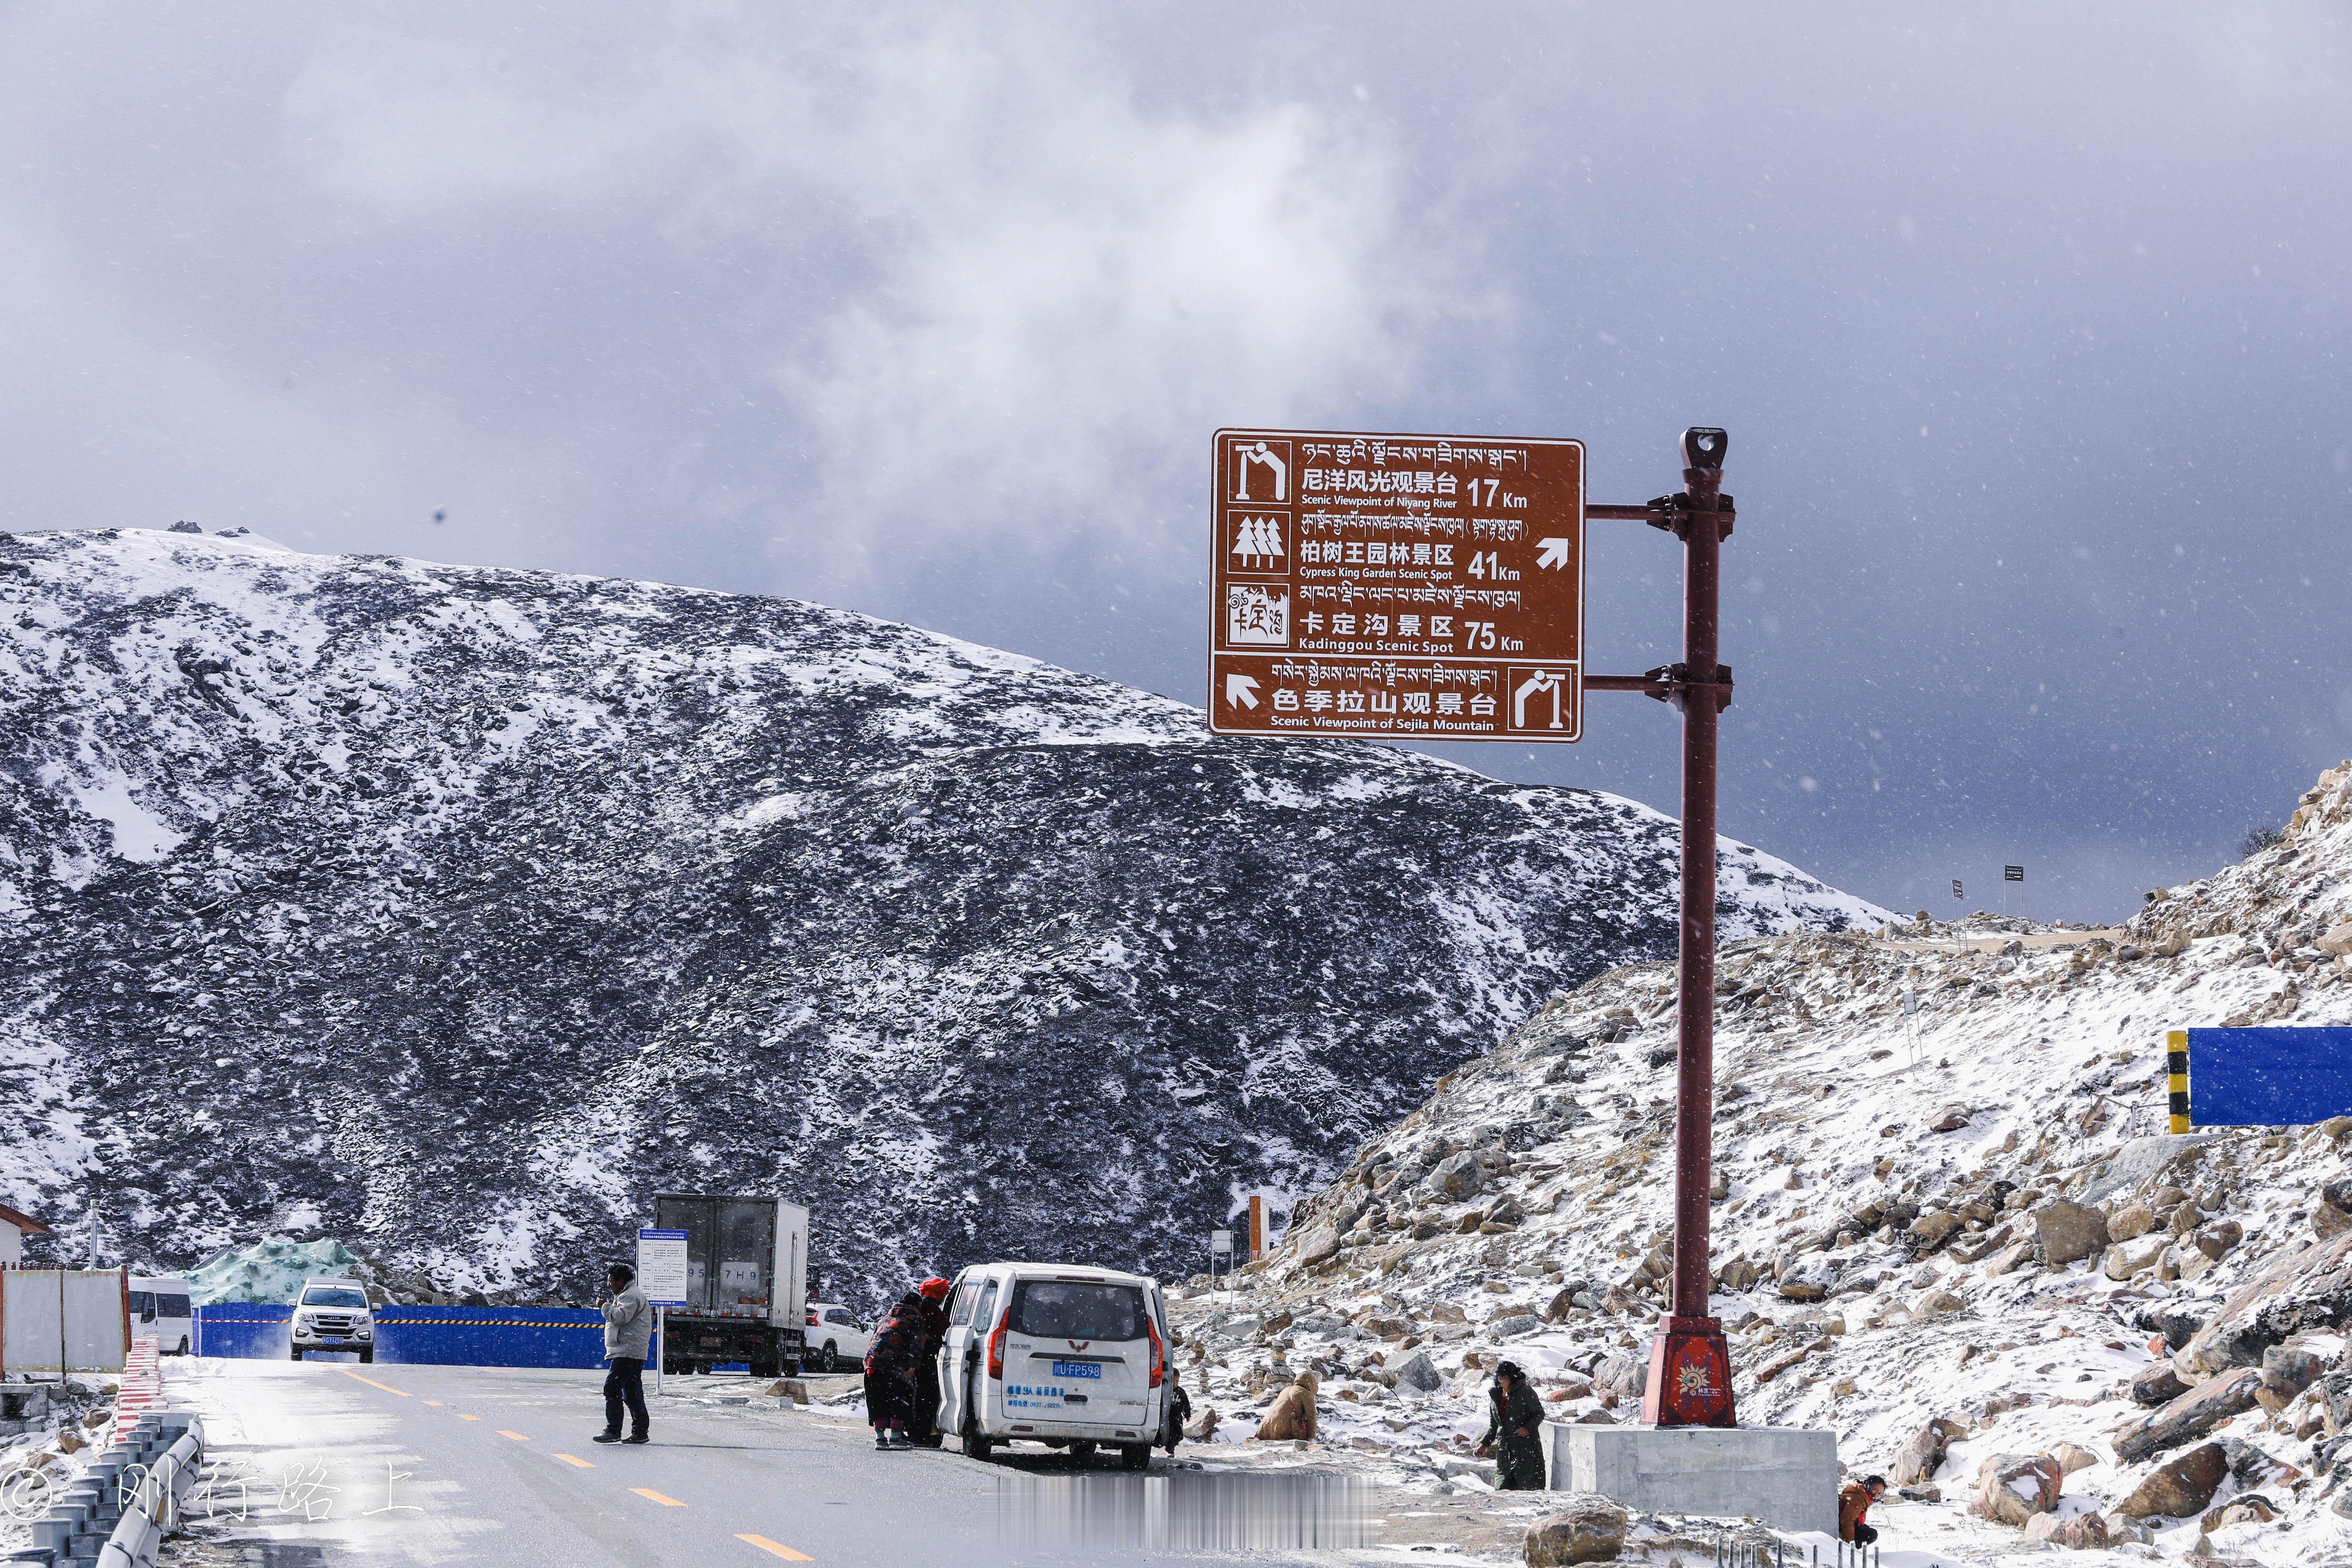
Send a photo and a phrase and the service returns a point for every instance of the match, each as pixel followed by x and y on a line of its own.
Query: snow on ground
pixel 1887 1202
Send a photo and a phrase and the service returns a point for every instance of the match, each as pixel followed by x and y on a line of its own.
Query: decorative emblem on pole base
pixel 1690 1375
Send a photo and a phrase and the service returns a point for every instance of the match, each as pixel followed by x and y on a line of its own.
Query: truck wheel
pixel 1135 1455
pixel 978 1445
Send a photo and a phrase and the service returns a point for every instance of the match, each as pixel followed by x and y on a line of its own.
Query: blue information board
pixel 2269 1078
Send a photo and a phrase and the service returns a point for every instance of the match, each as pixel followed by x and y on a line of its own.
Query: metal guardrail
pixel 117 1513
pixel 1731 1552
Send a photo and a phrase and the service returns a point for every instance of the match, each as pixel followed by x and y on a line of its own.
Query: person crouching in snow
pixel 1514 1437
pixel 890 1372
pixel 1292 1418
pixel 1854 1510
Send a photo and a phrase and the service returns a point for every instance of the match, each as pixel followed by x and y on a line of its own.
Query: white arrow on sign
pixel 1239 689
pixel 1555 553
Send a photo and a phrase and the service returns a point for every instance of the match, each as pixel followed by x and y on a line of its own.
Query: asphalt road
pixel 336 1462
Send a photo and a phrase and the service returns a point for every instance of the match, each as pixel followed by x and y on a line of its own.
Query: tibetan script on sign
pixel 1397 587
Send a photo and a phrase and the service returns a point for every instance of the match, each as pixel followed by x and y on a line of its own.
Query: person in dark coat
pixel 1854 1510
pixel 923 1422
pixel 890 1372
pixel 1514 1431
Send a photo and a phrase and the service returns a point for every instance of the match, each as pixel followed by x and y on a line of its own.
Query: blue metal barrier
pixel 490 1336
pixel 2267 1077
pixel 250 1330
pixel 437 1336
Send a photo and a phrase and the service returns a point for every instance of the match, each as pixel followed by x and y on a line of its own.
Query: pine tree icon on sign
pixel 1259 542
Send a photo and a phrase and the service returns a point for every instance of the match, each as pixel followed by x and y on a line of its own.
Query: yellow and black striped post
pixel 2175 1072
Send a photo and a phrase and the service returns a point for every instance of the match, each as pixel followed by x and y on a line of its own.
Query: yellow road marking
pixel 463 1416
pixel 432 1402
pixel 372 1383
pixel 516 1436
pixel 664 1501
pixel 778 1547
pixel 575 1460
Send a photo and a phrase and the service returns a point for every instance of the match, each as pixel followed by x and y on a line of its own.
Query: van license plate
pixel 1077 1369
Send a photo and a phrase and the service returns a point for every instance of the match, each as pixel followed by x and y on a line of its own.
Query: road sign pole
pixel 1690 1360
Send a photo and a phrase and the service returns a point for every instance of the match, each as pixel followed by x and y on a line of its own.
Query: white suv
pixel 332 1315
pixel 837 1334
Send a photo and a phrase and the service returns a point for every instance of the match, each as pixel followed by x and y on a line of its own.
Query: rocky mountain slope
pixel 451 913
pixel 1970 1244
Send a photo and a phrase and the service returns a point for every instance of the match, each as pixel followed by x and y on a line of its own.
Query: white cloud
pixel 1044 295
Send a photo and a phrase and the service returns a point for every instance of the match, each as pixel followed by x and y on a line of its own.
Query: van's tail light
pixel 1159 1353
pixel 997 1348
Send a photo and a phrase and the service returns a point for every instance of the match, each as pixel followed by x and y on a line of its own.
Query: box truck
pixel 746 1283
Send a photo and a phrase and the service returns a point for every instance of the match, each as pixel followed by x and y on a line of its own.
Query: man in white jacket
pixel 628 1339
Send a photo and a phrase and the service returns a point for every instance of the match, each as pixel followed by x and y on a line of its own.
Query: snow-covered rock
pixel 452 912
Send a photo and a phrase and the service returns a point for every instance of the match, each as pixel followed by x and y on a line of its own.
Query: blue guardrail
pixel 437 1336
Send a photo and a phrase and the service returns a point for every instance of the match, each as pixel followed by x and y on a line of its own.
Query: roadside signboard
pixel 1397 587
pixel 1220 1242
pixel 661 1266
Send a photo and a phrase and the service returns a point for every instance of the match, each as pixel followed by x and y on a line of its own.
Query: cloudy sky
pixel 2030 326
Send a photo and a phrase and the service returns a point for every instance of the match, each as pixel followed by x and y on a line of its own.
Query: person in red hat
pixel 924 1424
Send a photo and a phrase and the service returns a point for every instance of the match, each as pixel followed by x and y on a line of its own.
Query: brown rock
pixel 2012 1488
pixel 1590 1529
pixel 1935 1303
pixel 1951 1118
pixel 2288 1371
pixel 1918 1460
pixel 2328 1222
pixel 2126 1260
pixel 2216 1240
pixel 2158 1384
pixel 2132 1219
pixel 2252 1510
pixel 1203 1427
pixel 790 1388
pixel 2068 1231
pixel 1932 1230
pixel 2071 1457
pixel 2010 1257
pixel 2082 1532
pixel 2309 1288
pixel 2180 1487
pixel 2192 1414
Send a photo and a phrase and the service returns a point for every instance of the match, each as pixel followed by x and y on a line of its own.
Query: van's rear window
pixel 1077 1310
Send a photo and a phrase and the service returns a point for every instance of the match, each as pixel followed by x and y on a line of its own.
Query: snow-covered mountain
pixel 1968 1243
pixel 452 911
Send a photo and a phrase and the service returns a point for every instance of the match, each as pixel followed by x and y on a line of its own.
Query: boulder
pixel 2288 1371
pixel 1808 1278
pixel 2010 1257
pixel 1932 1230
pixel 2158 1384
pixel 2012 1488
pixel 1457 1176
pixel 1203 1427
pixel 1918 1460
pixel 2082 1532
pixel 2180 1487
pixel 2308 1289
pixel 2068 1233
pixel 2127 1259
pixel 2215 1240
pixel 1590 1529
pixel 1934 1302
pixel 1951 1118
pixel 2190 1415
pixel 1737 1276
pixel 1316 1243
pixel 2253 1509
pixel 2072 1458
pixel 1418 1373
pixel 1625 1374
pixel 790 1388
pixel 1517 1324
pixel 2131 1220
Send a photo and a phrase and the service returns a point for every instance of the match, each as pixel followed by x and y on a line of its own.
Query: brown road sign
pixel 1397 586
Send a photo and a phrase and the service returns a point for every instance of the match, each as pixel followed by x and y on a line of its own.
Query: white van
pixel 1043 1353
pixel 160 1311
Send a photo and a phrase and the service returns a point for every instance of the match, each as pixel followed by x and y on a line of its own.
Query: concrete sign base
pixel 1786 1476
